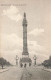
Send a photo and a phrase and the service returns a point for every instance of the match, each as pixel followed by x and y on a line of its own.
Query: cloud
pixel 12 45
pixel 13 13
pixel 34 46
pixel 11 41
pixel 36 31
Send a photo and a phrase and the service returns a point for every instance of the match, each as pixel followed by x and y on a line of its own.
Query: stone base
pixel 25 53
pixel 25 61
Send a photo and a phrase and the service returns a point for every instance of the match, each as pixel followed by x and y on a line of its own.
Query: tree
pixel 47 63
pixel 49 57
pixel 3 62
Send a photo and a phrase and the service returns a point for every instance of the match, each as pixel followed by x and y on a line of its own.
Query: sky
pixel 38 14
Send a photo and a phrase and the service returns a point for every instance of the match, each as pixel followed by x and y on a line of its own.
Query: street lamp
pixel 35 58
pixel 17 60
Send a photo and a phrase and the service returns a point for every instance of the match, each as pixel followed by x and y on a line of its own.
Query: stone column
pixel 25 49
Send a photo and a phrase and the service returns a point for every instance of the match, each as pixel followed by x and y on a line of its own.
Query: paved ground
pixel 32 73
pixel 36 73
pixel 3 70
pixel 14 73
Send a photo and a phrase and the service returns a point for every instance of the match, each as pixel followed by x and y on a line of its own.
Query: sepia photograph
pixel 25 39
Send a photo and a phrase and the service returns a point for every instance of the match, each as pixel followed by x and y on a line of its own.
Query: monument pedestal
pixel 25 60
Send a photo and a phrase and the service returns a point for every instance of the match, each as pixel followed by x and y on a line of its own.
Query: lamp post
pixel 17 60
pixel 35 58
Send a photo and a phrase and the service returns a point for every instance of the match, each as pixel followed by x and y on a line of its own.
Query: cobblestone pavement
pixel 35 73
pixel 29 73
